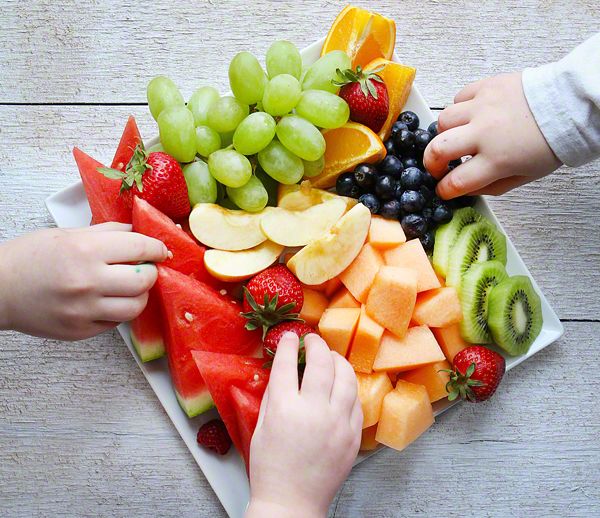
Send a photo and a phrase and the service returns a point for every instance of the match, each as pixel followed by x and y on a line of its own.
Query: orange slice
pixel 363 35
pixel 346 147
pixel 398 79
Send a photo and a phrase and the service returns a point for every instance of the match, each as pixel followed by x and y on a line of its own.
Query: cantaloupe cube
pixel 365 344
pixel 432 378
pixel 315 303
pixel 337 327
pixel 405 414
pixel 368 442
pixel 372 388
pixel 332 285
pixel 359 276
pixel 392 297
pixel 412 255
pixel 450 340
pixel 438 308
pixel 343 299
pixel 417 348
pixel 385 233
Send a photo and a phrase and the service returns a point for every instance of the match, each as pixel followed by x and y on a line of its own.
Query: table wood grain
pixel 81 432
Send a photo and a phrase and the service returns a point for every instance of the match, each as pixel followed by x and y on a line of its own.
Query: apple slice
pixel 303 196
pixel 328 256
pixel 237 266
pixel 300 227
pixel 226 229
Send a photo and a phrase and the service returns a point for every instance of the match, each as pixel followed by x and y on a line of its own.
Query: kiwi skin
pixel 476 285
pixel 515 314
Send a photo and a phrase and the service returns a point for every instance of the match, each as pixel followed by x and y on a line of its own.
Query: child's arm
pixel 520 127
pixel 73 284
pixel 306 440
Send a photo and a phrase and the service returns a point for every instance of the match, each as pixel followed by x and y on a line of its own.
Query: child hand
pixel 491 121
pixel 306 440
pixel 73 284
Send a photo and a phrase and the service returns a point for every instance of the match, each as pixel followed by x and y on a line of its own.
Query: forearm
pixel 5 287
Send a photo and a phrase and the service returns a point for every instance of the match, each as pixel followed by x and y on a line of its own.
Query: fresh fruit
pixel 207 140
pixel 365 176
pixel 214 436
pixel 178 133
pixel 201 185
pixel 161 94
pixel 450 340
pixel 368 442
pixel 337 327
pixel 391 165
pixel 412 178
pixel 230 168
pixel 322 72
pixel 343 299
pixel 385 234
pixel 303 196
pixel 405 414
pixel 315 303
pixel 129 140
pixel 247 79
pixel 226 229
pixel 226 113
pixel 275 334
pixel 146 330
pixel 199 103
pixel 323 109
pixel 282 94
pixel 301 137
pixel 328 256
pixel 434 377
pixel 313 168
pixel 231 266
pixel 392 297
pixel 359 276
pixel 412 201
pixel 280 163
pixel 251 197
pixel 345 185
pixel 412 255
pixel 439 307
pixel 365 344
pixel 372 388
pixel 246 407
pixel 385 187
pixel 254 133
pixel 366 95
pixel 514 314
pixel 283 58
pixel 346 147
pixel 370 201
pixel 414 225
pixel 298 228
pixel 476 375
pixel 411 119
pixel 418 347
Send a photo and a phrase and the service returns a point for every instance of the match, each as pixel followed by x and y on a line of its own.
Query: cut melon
pixel 343 299
pixel 359 276
pixel 315 303
pixel 337 327
pixel 385 233
pixel 146 330
pixel 367 441
pixel 365 344
pixel 412 255
pixel 372 388
pixel 417 348
pixel 129 140
pixel 432 378
pixel 439 307
pixel 332 285
pixel 450 340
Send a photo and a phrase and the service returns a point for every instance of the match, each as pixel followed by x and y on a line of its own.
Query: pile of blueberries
pixel 399 187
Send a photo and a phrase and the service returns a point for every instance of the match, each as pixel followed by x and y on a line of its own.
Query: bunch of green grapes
pixel 239 147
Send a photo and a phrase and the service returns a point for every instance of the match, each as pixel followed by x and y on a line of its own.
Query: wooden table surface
pixel 81 432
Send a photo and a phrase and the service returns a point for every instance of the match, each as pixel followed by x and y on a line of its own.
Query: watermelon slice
pixel 197 317
pixel 129 140
pixel 146 330
pixel 237 385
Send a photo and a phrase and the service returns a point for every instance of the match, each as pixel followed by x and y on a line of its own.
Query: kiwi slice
pixel 475 289
pixel 476 243
pixel 514 314
pixel 446 235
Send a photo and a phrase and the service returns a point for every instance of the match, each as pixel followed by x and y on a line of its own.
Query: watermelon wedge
pixel 197 317
pixel 146 330
pixel 246 407
pixel 131 137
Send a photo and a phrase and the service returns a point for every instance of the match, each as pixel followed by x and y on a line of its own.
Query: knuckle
pixel 436 148
pixel 455 182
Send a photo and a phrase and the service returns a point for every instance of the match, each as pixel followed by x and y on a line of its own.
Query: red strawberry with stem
pixel 274 336
pixel 155 177
pixel 366 95
pixel 476 375
pixel 214 436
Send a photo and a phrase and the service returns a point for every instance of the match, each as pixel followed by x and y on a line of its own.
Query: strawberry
pixel 272 296
pixel 214 436
pixel 367 96
pixel 476 375
pixel 274 335
pixel 155 177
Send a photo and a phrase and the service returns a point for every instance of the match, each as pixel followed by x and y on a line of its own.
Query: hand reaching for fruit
pixel 73 284
pixel 306 440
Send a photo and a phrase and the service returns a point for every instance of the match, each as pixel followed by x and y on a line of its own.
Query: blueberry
pixel 442 214
pixel 427 213
pixel 412 201
pixel 365 176
pixel 411 119
pixel 404 141
pixel 427 194
pixel 391 165
pixel 385 187
pixel 397 127
pixel 410 161
pixel 390 209
pixel 371 202
pixel 433 129
pixel 428 240
pixel 436 201
pixel 422 140
pixel 389 146
pixel 414 225
pixel 411 178
pixel 429 180
pixel 346 186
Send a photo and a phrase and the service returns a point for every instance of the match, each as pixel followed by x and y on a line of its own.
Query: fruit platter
pixel 299 202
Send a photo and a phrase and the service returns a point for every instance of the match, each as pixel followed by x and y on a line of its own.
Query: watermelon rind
pixel 196 405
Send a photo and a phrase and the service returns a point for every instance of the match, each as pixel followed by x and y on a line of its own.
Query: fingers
pixel 468 92
pixel 455 115
pixel 125 280
pixel 503 186
pixel 284 373
pixel 263 408
pixel 104 227
pixel 130 247
pixel 121 309
pixel 467 178
pixel 356 417
pixel 447 146
pixel 318 378
pixel 345 386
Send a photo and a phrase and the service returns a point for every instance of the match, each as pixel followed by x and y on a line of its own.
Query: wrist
pixel 268 509
pixel 5 289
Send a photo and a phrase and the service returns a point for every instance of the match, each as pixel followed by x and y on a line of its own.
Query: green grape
pixel 162 93
pixel 280 163
pixel 177 133
pixel 227 203
pixel 207 140
pixel 201 185
pixel 156 148
pixel 254 133
pixel 227 138
pixel 230 167
pixel 323 71
pixel 247 78
pixel 226 113
pixel 323 109
pixel 300 137
pixel 282 93
pixel 271 185
pixel 283 58
pixel 251 197
pixel 200 102
pixel 314 167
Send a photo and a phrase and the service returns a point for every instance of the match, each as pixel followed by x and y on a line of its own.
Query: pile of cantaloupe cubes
pixel 396 322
